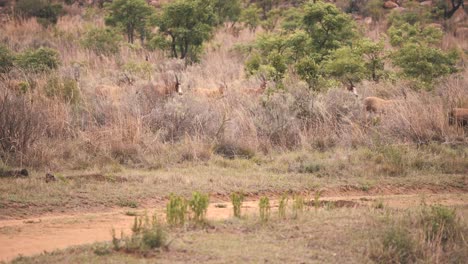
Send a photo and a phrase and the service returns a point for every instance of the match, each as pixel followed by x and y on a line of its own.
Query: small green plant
pixel 264 209
pixel 102 249
pixel 127 203
pixel 176 210
pixel 298 205
pixel 199 206
pixel 237 199
pixel 146 235
pixel 398 246
pixel 282 206
pixel 317 199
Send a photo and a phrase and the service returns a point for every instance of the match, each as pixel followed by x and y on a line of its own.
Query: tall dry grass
pixel 121 121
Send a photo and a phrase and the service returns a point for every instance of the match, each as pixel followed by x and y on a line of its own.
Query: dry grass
pixel 116 121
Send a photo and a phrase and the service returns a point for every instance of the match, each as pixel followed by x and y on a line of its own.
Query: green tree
pixel 346 65
pixel 102 41
pixel 184 25
pixel 46 13
pixel 272 20
pixel 227 10
pixel 374 56
pixel 131 16
pixel 424 63
pixel 328 27
pixel 419 56
pixel 250 17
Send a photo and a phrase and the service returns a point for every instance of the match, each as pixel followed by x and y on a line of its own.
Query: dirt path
pixel 35 235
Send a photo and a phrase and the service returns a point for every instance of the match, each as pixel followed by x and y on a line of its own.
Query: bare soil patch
pixel 35 235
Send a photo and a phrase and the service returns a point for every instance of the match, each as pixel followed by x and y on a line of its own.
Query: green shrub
pixel 237 199
pixel 264 209
pixel 282 206
pixel 39 60
pixel 66 89
pixel 298 205
pixel 199 206
pixel 440 223
pixel 45 12
pixel 6 59
pixel 102 41
pixel 176 210
pixel 146 235
pixel 398 246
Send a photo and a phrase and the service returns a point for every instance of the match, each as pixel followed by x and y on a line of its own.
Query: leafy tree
pixel 424 63
pixel 307 36
pixel 272 20
pixel 184 25
pixel 373 55
pixel 40 60
pixel 250 17
pixel 266 6
pixel 347 65
pixel 131 16
pixel 6 59
pixel 102 41
pixel 407 33
pixel 46 13
pixel 418 55
pixel 227 10
pixel 328 27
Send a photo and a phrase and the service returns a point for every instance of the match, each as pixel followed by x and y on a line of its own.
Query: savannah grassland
pixel 114 146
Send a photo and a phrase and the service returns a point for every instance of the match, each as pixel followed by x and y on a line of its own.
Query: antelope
pixel 378 105
pixel 459 117
pixel 260 90
pixel 167 89
pixel 374 104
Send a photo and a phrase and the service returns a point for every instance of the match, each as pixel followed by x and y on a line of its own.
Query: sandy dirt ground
pixel 35 235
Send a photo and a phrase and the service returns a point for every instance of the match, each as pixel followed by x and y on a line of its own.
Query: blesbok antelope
pixel 259 90
pixel 170 85
pixel 373 104
pixel 459 117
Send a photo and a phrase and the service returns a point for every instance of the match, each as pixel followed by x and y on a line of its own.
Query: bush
pixel 66 89
pixel 102 41
pixel 282 206
pixel 298 205
pixel 6 59
pixel 199 206
pixel 146 235
pixel 264 209
pixel 440 223
pixel 398 247
pixel 237 199
pixel 176 210
pixel 40 60
pixel 45 12
pixel 22 123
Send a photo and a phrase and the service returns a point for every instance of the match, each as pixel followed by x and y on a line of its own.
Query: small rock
pixel 368 20
pixel 390 5
pixel 50 178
